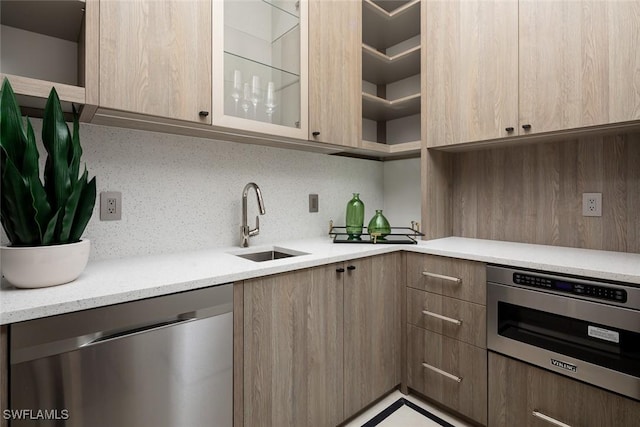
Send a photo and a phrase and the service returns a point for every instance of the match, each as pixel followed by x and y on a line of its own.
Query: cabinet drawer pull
pixel 351 267
pixel 440 276
pixel 441 372
pixel 340 270
pixel 548 419
pixel 441 317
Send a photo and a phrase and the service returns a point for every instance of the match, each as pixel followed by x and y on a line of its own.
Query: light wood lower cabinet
pixel 371 330
pixel 454 318
pixel 293 351
pixel 451 277
pixel 449 371
pixel 319 344
pixel 446 332
pixel 518 391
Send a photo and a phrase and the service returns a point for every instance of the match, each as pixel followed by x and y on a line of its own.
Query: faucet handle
pixel 256 230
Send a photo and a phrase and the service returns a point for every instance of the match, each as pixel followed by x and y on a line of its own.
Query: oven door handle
pixel 441 317
pixel 548 419
pixel 455 280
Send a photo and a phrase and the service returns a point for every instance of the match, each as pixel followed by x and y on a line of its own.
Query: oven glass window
pixel 594 343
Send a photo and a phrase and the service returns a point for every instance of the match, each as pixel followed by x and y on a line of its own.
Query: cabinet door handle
pixel 440 276
pixel 441 317
pixel 340 270
pixel 509 129
pixel 351 267
pixel 315 133
pixel 526 127
pixel 548 419
pixel 203 113
pixel 441 372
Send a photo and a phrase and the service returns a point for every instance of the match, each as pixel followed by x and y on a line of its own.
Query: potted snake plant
pixel 43 218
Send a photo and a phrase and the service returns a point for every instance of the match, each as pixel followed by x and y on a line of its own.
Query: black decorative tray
pixel 398 235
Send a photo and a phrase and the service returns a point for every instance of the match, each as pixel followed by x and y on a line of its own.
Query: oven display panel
pixel 590 290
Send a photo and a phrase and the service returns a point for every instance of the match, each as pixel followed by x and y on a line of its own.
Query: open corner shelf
pixel 382 28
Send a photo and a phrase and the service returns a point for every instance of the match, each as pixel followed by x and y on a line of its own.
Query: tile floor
pixel 405 416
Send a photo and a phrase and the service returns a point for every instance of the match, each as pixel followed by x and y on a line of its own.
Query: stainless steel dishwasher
pixel 162 362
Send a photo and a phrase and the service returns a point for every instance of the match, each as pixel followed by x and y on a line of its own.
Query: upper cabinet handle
pixel 315 133
pixel 203 113
pixel 440 276
pixel 509 129
pixel 526 127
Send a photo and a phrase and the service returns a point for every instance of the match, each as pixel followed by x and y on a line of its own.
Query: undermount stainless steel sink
pixel 262 255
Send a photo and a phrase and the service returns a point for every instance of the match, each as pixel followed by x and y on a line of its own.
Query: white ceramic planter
pixel 41 266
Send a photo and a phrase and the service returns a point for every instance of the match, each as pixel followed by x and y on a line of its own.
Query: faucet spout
pixel 244 228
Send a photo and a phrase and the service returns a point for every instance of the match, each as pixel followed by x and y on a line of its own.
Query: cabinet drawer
pixel 449 371
pixel 455 278
pixel 462 320
pixel 523 395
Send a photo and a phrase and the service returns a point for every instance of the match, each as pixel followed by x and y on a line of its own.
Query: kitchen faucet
pixel 244 228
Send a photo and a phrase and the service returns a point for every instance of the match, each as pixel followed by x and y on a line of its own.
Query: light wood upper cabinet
pixel 579 63
pixel 155 58
pixel 51 44
pixel 506 68
pixel 335 70
pixel 371 330
pixel 260 66
pixel 471 63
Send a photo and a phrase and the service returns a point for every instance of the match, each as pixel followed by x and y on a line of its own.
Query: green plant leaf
pixel 76 149
pixel 70 208
pixel 18 206
pixel 48 237
pixel 40 204
pixel 85 209
pixel 30 164
pixel 57 141
pixel 12 136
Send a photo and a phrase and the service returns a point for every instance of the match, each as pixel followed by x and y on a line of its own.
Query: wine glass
pixel 237 88
pixel 246 100
pixel 255 93
pixel 270 104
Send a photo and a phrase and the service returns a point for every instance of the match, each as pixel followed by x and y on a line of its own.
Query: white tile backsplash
pixel 183 193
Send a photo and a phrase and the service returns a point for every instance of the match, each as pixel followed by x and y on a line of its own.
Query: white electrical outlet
pixel 591 204
pixel 110 206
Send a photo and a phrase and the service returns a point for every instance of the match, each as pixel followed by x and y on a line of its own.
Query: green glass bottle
pixel 379 224
pixel 355 216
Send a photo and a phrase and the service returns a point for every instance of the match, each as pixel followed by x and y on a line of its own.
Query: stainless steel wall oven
pixel 583 328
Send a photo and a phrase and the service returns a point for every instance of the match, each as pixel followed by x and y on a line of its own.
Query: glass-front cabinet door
pixel 260 66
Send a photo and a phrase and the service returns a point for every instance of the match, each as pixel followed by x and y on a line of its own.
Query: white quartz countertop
pixel 120 280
